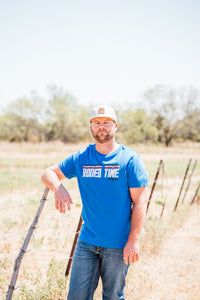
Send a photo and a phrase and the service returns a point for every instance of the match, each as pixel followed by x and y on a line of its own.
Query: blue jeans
pixel 91 262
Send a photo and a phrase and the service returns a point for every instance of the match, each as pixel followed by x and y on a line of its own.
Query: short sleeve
pixel 67 166
pixel 136 173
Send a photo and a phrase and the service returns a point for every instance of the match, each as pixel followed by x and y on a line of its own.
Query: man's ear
pixel 116 126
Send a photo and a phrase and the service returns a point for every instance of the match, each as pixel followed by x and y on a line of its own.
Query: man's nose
pixel 101 126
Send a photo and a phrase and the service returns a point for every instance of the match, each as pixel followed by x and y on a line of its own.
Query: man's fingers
pixel 62 207
pixel 137 256
pixel 60 204
pixel 131 253
pixel 126 260
pixel 68 204
pixel 56 203
pixel 70 200
pixel 131 257
pixel 62 197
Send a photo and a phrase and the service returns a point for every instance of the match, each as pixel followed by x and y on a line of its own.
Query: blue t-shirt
pixel 104 182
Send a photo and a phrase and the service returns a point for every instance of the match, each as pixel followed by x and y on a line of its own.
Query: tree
pixel 168 107
pixel 136 127
pixel 190 126
pixel 20 121
pixel 65 119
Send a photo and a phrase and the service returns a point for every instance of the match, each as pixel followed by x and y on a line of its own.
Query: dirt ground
pixel 173 273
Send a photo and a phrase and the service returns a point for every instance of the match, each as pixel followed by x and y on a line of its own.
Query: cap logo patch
pixel 101 110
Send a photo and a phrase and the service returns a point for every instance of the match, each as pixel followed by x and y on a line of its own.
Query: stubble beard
pixel 102 137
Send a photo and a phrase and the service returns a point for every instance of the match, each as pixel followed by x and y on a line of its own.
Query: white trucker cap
pixel 103 111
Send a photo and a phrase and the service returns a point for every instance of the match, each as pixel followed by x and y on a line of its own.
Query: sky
pixel 105 51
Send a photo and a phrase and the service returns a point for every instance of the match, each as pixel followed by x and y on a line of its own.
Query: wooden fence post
pixel 24 247
pixel 189 181
pixel 74 246
pixel 196 193
pixel 163 207
pixel 154 183
pixel 179 195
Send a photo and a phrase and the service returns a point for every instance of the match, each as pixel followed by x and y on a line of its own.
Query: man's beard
pixel 104 138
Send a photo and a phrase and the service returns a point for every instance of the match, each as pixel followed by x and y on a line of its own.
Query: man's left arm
pixel 139 198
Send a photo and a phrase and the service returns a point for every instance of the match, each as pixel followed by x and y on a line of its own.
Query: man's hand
pixel 131 252
pixel 139 198
pixel 62 197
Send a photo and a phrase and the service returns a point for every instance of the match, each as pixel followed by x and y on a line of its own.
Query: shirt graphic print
pixel 110 171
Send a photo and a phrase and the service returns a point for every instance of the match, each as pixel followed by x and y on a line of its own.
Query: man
pixel 109 176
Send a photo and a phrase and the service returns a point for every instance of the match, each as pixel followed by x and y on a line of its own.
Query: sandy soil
pixel 174 273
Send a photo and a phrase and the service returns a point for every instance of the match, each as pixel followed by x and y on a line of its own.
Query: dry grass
pixel 42 271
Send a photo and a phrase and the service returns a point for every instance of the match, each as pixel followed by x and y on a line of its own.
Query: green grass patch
pixel 21 173
pixel 53 288
pixel 28 162
pixel 14 178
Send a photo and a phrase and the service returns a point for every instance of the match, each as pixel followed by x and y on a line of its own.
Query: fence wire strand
pixel 161 180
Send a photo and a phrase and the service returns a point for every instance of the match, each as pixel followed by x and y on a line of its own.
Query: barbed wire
pixel 21 205
pixel 17 206
pixel 14 289
pixel 43 225
pixel 149 184
pixel 74 182
pixel 161 180
pixel 26 230
pixel 13 235
pixel 13 257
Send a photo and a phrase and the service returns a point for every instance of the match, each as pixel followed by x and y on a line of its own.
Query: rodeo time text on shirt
pixel 110 171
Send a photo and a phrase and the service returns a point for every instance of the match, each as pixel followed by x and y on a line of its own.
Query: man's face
pixel 103 129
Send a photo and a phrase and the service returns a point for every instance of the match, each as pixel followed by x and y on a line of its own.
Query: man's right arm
pixel 52 178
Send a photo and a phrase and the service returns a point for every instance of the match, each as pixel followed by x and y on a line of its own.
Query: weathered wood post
pixel 189 181
pixel 154 183
pixel 24 247
pixel 163 207
pixel 74 245
pixel 179 195
pixel 196 193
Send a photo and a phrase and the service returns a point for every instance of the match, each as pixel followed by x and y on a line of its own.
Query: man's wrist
pixel 56 187
pixel 133 239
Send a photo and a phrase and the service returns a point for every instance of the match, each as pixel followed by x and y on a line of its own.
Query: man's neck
pixel 107 148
